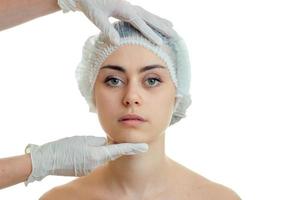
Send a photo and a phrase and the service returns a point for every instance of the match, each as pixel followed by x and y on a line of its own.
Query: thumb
pixel 101 20
pixel 110 33
pixel 117 150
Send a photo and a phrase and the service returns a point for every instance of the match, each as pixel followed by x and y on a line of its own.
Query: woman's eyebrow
pixel 122 69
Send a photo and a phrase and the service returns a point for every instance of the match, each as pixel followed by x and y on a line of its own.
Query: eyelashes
pixel 110 81
pixel 156 80
pixel 150 82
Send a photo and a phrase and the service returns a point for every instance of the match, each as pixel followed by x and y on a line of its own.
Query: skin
pixel 151 175
pixel 15 12
pixel 134 95
pixel 14 170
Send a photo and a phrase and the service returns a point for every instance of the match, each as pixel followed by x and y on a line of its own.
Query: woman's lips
pixel 131 122
pixel 131 117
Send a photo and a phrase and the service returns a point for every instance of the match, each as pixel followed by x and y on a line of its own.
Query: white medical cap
pixel 173 52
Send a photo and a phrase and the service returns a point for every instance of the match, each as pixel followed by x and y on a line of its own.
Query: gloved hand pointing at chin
pixel 76 156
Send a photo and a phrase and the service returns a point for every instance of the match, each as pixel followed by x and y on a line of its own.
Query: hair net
pixel 173 52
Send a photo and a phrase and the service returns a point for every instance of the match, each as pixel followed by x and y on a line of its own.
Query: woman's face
pixel 133 80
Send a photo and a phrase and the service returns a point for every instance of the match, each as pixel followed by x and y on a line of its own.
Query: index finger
pixel 117 150
pixel 141 25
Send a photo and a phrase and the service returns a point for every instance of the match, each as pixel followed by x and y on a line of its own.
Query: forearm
pixel 14 12
pixel 14 170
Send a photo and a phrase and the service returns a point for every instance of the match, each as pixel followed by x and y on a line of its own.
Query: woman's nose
pixel 132 97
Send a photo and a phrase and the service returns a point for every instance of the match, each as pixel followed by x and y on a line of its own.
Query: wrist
pixel 37 172
pixel 28 166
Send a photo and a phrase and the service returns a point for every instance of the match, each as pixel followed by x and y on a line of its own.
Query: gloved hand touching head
pixel 99 11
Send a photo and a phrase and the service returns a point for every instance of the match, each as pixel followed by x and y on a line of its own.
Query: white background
pixel 242 127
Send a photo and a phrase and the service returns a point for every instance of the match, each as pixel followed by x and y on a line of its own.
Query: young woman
pixel 28 168
pixel 138 89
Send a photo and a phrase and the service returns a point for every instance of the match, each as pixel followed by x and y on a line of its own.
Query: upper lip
pixel 132 117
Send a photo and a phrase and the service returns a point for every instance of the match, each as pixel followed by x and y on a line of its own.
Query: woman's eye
pixel 113 82
pixel 152 82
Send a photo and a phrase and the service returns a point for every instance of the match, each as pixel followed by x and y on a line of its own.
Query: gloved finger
pixel 140 24
pixel 101 21
pixel 114 151
pixel 162 25
pixel 95 141
pixel 111 34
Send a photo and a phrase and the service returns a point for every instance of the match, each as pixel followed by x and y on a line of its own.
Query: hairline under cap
pixel 133 41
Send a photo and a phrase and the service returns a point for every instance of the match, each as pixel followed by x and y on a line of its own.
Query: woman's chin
pixel 128 138
pixel 125 140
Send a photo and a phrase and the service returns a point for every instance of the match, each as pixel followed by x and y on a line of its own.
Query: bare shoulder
pixel 198 187
pixel 209 190
pixel 83 188
pixel 58 193
pixel 71 190
pixel 216 191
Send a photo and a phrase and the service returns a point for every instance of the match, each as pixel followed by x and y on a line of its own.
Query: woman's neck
pixel 141 174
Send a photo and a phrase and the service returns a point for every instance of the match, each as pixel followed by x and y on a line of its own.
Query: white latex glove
pixel 99 11
pixel 76 156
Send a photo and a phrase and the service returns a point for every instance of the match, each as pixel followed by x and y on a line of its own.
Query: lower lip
pixel 132 122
